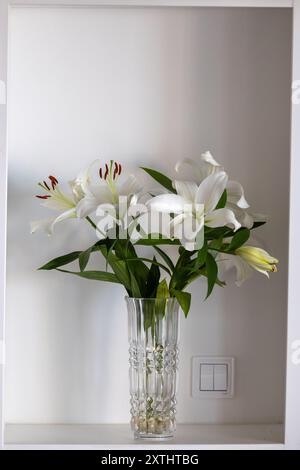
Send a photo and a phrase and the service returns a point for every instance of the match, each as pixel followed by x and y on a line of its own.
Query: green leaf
pixel 239 239
pixel 121 271
pixel 223 200
pixel 162 295
pixel 166 258
pixel 94 275
pixel 211 272
pixel 157 241
pixel 216 233
pixel 160 178
pixel 61 261
pixel 216 244
pixel 149 311
pixel 163 290
pixel 258 224
pixel 125 251
pixel 192 276
pixel 152 280
pixel 84 258
pixel 119 268
pixel 135 289
pixel 184 300
pixel 147 260
pixel 201 256
pixel 183 268
pixel 66 259
pixel 110 252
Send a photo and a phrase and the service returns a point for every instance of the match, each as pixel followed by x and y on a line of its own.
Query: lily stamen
pixel 54 181
pixel 43 197
pixel 111 171
pixel 116 170
pixel 106 171
pixel 46 187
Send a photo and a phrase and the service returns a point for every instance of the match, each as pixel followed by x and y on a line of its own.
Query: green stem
pixel 156 263
pixel 216 249
pixel 91 222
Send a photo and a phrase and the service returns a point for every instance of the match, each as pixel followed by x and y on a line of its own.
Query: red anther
pixel 44 197
pixel 45 183
pixel 116 170
pixel 100 173
pixel 120 168
pixel 53 180
pixel 106 171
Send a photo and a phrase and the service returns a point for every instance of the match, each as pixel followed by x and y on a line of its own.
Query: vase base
pixel 153 437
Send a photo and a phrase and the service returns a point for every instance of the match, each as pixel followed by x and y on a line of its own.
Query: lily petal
pixel 194 165
pixel 129 186
pixel 188 230
pixel 211 190
pixel 246 220
pixel 59 201
pixel 207 157
pixel 243 270
pixel 186 189
pixel 80 185
pixel 98 194
pixel 221 218
pixel 167 203
pixel 242 216
pixel 235 194
pixel 86 206
pixel 101 193
pixel 47 225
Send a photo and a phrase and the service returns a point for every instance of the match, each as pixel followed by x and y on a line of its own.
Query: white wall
pixel 145 86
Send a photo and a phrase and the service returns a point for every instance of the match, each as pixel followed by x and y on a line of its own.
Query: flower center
pixel 110 173
pixel 48 187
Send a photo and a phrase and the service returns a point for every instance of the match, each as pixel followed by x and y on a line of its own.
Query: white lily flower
pixel 236 200
pixel 202 169
pixel 108 190
pixel 55 199
pixel 81 183
pixel 247 259
pixel 195 206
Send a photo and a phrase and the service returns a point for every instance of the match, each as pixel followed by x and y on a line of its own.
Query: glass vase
pixel 153 358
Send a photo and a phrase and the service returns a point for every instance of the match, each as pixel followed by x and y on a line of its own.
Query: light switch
pixel 220 377
pixel 206 377
pixel 213 377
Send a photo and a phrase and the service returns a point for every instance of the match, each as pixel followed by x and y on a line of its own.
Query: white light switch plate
pixel 212 377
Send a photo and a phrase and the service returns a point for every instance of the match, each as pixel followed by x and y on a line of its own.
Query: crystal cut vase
pixel 153 357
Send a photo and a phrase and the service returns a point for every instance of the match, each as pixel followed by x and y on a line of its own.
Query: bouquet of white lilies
pixel 208 219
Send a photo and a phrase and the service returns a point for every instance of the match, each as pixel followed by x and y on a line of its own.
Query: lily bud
pixel 258 259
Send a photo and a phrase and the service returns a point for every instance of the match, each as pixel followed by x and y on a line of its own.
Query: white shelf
pixel 117 436
pixel 194 3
